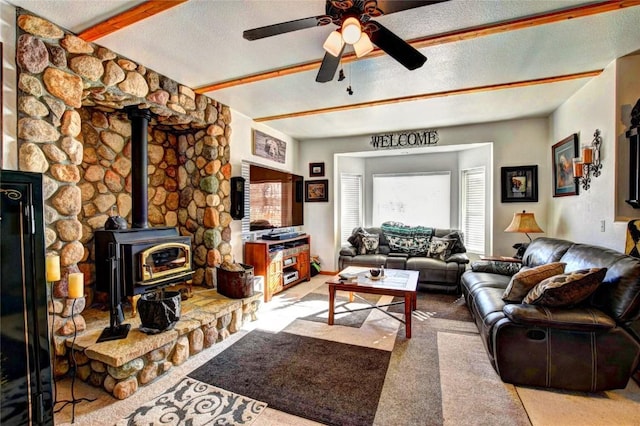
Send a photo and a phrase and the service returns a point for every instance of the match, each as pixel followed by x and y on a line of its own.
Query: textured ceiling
pixel 200 42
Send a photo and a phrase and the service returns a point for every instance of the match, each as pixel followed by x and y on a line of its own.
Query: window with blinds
pixel 351 201
pixel 473 209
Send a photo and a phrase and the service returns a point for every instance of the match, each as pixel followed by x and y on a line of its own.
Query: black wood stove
pixel 135 261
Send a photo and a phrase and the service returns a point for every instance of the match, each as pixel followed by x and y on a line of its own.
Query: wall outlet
pixel 602 225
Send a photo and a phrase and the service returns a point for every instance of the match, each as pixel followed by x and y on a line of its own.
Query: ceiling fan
pixel 353 17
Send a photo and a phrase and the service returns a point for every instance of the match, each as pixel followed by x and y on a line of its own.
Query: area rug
pixel 195 403
pixel 346 313
pixel 437 305
pixel 328 382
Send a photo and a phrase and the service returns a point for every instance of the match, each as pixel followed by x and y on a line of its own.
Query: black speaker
pixel 237 197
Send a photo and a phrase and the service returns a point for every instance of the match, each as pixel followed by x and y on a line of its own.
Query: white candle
pixel 76 285
pixel 53 268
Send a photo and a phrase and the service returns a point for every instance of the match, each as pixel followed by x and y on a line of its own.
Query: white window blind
pixel 413 199
pixel 350 204
pixel 473 209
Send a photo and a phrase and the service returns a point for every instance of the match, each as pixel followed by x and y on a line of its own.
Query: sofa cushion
pixel 619 294
pixel 474 280
pixel 566 289
pixel 545 250
pixel 440 248
pixel 522 282
pixel 496 267
pixel 413 240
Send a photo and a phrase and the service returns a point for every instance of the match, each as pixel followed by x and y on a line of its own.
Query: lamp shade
pixel 351 30
pixel 363 46
pixel 333 44
pixel 523 222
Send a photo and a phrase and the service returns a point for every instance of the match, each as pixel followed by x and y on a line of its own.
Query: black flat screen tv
pixel 275 199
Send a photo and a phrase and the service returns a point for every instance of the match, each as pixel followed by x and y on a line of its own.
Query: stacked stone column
pixel 71 128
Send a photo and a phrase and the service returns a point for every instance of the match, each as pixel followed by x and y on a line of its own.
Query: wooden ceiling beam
pixel 127 18
pixel 425 96
pixel 438 39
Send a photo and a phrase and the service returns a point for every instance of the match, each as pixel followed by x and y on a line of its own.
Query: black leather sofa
pixel 591 347
pixel 434 274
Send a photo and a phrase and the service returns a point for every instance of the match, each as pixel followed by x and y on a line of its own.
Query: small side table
pixel 501 259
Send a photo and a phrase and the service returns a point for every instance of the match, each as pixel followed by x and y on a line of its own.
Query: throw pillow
pixel 526 279
pixel 354 239
pixel 458 247
pixel 566 289
pixel 370 244
pixel 440 248
pixel 496 267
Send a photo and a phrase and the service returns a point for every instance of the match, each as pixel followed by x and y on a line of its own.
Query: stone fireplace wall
pixel 72 128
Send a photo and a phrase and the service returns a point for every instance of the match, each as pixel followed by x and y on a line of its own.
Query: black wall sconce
pixel 589 164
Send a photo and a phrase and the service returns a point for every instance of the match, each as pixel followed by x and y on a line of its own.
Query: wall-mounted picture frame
pixel 316 169
pixel 269 147
pixel 519 184
pixel 562 155
pixel 316 191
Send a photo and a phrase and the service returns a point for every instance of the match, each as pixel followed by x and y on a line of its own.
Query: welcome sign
pixel 412 139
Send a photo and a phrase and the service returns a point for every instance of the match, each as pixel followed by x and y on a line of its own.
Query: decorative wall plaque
pixel 408 139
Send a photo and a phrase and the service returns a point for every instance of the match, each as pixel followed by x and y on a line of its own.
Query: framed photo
pixel 519 184
pixel 562 155
pixel 316 169
pixel 266 146
pixel 316 190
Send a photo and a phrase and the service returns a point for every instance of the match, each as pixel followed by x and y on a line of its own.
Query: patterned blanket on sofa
pixel 413 240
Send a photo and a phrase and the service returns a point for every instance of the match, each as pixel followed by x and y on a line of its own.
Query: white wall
pixel 577 218
pixel 515 143
pixel 241 150
pixel 9 88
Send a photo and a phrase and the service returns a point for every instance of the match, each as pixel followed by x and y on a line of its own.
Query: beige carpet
pixel 471 392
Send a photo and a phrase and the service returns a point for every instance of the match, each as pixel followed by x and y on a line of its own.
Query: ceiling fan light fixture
pixel 333 44
pixel 351 30
pixel 363 46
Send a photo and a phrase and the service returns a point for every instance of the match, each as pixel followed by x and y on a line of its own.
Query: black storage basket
pixel 159 311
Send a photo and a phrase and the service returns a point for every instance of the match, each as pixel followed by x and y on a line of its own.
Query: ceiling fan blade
pixel 329 66
pixel 286 27
pixel 395 47
pixel 392 6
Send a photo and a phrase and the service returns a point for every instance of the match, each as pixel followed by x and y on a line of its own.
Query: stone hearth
pixel 120 367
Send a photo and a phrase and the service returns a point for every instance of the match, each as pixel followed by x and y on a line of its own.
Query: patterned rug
pixel 328 382
pixel 191 402
pixel 437 305
pixel 346 313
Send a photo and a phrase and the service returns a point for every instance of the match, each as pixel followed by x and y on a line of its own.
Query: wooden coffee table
pixel 396 282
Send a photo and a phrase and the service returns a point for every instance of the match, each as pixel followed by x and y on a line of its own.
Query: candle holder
pixel 74 367
pixel 590 164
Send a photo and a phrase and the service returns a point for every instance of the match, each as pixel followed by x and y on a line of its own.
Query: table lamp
pixel 524 223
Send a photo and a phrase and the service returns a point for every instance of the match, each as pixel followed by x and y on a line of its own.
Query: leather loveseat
pixel 592 346
pixel 434 273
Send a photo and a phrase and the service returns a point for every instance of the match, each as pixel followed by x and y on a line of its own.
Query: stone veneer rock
pixel 72 128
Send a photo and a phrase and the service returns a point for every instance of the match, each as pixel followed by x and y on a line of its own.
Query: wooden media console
pixel 282 263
